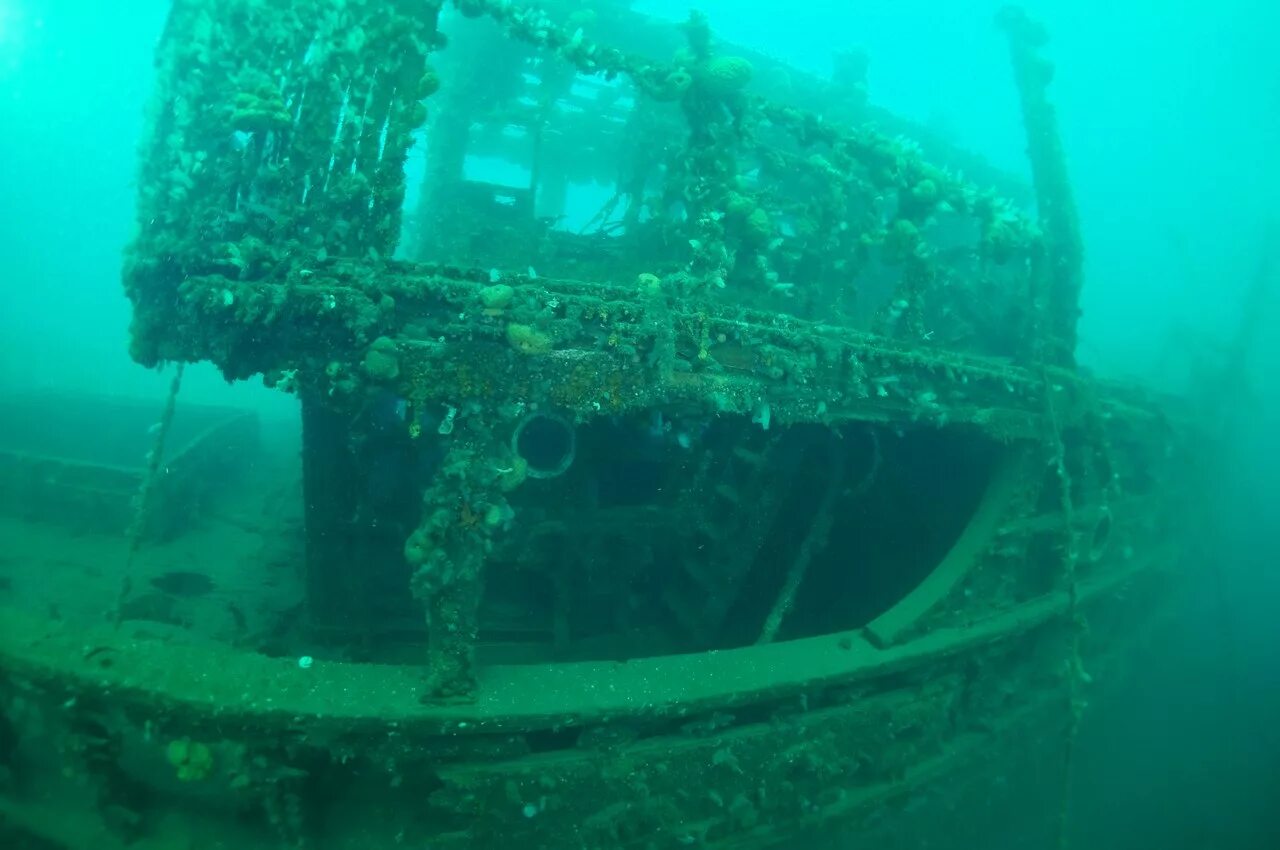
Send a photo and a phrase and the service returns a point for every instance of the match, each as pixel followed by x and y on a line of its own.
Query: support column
pixel 462 511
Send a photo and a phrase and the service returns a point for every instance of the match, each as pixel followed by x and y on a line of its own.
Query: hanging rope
pixel 1076 675
pixel 142 503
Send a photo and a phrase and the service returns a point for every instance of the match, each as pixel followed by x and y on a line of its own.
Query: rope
pixel 142 505
pixel 1075 666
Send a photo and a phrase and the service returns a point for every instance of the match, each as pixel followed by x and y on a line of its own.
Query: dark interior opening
pixel 653 534
pixel 903 499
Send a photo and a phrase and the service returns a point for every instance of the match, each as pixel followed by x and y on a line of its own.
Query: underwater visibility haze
pixel 611 424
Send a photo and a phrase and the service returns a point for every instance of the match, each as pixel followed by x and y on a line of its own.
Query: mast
pixel 1062 265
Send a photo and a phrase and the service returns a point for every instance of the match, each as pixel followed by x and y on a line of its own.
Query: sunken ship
pixel 740 512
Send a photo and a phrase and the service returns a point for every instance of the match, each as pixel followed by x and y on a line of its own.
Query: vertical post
pixel 463 509
pixel 1064 258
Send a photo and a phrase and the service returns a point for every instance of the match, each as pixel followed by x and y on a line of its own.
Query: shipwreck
pixel 738 511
